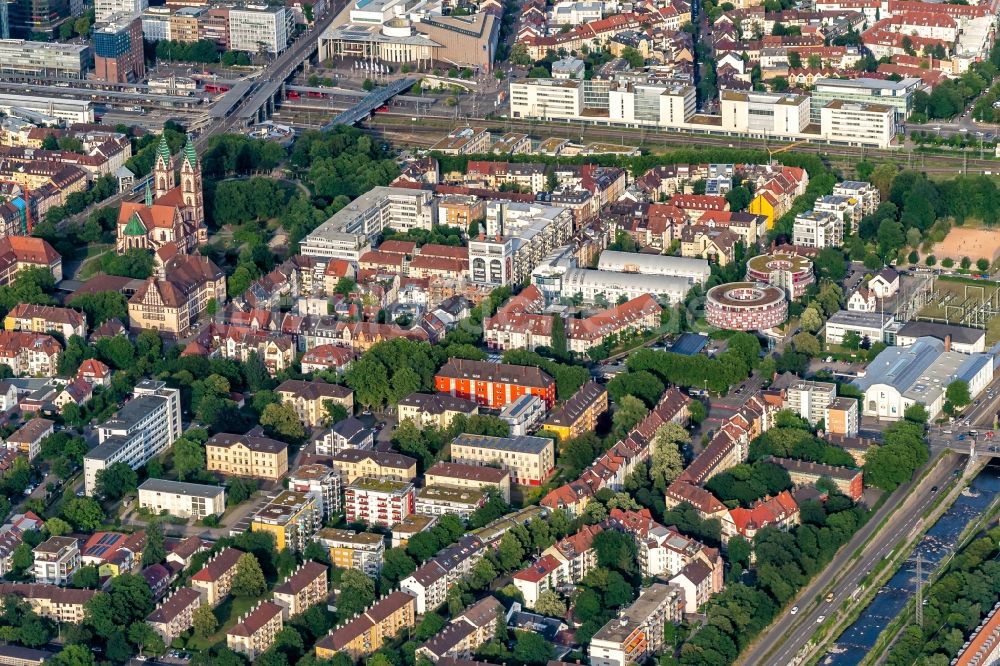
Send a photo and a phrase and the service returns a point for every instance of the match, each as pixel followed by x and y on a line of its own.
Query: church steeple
pixel 163 169
pixel 191 185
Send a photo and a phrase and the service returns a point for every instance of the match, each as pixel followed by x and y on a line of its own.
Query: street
pixel 786 637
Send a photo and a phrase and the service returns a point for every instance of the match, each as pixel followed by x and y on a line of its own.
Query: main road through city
pixel 788 635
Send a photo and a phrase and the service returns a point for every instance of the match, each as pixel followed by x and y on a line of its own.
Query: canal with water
pixel 855 643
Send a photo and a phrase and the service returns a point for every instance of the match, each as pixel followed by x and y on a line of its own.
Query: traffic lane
pixel 887 539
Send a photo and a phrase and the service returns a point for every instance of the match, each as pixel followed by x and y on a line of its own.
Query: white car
pixel 795 609
pixel 820 619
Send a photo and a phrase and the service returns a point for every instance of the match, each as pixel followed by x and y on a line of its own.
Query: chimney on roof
pixel 947 342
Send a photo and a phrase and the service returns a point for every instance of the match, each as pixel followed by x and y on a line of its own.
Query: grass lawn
pixel 91 263
pixel 228 613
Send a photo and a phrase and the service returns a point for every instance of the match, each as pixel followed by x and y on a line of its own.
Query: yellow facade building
pixel 247 455
pixel 292 518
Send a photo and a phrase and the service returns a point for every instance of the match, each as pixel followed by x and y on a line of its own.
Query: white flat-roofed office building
pixel 858 124
pixel 105 9
pixel 146 426
pixel 47 109
pixel 44 59
pixel 651 104
pixel 897 94
pixel 257 27
pixel 764 113
pixel 352 229
pixel 183 500
pixel 546 99
pixel 870 325
pixel 696 270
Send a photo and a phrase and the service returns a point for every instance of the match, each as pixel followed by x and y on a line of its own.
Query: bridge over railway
pixel 367 105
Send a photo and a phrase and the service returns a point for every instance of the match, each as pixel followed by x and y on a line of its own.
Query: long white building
pixel 858 124
pixel 352 229
pixel 764 113
pixel 257 28
pixel 146 426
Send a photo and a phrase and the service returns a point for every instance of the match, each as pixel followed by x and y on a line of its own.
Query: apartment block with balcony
pixel 639 629
pixel 175 614
pixel 305 587
pixel 378 501
pixel 348 549
pixel 144 427
pixel 56 560
pixel 256 631
pixel 214 581
pixel 292 517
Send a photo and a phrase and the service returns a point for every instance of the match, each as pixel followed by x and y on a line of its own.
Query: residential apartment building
pixel 579 414
pixel 378 501
pixel 518 236
pixel 214 581
pixel 363 551
pixel 523 414
pixel 256 630
pixel 434 409
pixel 175 614
pixel 305 587
pixel 32 318
pixel 842 417
pixel 309 399
pixel 464 634
pixel 847 480
pixel 638 631
pixel 20 252
pixel 464 141
pixel 351 433
pixel 114 553
pixel 34 354
pixel 472 477
pixel 353 464
pixel 494 384
pixel 430 583
pixel 321 482
pixel 257 29
pixel 182 500
pixel 28 438
pixel 352 230
pixel 372 629
pixel 818 230
pixel 247 455
pixel 444 500
pixel 56 560
pixel 52 602
pixel 292 517
pixel 530 460
pixel 809 399
pixel 144 427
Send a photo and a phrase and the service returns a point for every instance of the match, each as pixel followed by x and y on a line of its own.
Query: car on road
pixel 795 609
pixel 934 489
pixel 820 619
pixel 829 597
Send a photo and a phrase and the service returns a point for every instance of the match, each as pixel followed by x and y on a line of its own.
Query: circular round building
pixel 745 306
pixel 787 271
